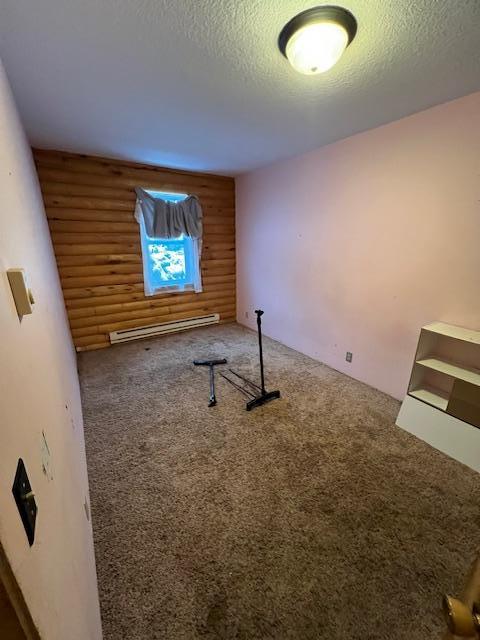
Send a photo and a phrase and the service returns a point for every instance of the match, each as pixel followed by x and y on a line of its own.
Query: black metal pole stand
pixel 265 396
pixel 212 401
pixel 260 348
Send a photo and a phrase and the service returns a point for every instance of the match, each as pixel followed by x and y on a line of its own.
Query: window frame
pixel 192 283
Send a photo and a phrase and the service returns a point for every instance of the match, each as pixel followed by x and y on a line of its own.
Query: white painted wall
pixel 357 245
pixel 39 391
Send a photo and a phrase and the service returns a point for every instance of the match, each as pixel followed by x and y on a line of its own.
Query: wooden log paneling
pixel 89 203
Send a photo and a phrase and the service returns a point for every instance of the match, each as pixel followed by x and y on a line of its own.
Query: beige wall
pixel 354 246
pixel 39 391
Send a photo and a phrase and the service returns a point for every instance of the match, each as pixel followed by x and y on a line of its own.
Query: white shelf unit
pixel 445 353
pixel 446 356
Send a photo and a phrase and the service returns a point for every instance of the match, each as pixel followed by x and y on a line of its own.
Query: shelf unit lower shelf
pixel 434 397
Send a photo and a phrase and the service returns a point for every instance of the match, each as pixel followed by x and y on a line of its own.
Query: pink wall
pixel 354 246
pixel 39 391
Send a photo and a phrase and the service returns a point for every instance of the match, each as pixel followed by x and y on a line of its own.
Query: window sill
pixel 170 292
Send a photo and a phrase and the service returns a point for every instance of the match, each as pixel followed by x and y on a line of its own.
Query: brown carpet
pixel 311 517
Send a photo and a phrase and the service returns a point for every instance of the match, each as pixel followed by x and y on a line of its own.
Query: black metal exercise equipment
pixel 245 392
pixel 211 364
pixel 264 396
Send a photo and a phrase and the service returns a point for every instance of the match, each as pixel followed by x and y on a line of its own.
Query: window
pixel 169 264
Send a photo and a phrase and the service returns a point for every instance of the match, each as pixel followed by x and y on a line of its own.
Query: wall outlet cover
pixel 349 356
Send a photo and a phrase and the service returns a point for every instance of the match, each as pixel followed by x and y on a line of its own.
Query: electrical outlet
pixel 349 356
pixel 246 315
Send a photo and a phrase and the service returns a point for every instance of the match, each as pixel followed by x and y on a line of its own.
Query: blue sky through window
pixel 170 261
pixel 171 197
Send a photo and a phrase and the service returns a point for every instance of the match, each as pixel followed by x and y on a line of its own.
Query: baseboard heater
pixel 161 328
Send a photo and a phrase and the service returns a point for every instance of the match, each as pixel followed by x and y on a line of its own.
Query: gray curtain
pixel 170 219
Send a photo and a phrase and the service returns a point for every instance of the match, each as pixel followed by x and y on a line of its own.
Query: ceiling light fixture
pixel 314 40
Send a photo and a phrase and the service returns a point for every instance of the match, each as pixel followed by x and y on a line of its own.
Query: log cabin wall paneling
pixel 90 205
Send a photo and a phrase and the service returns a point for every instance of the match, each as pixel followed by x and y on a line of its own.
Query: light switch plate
pixel 21 293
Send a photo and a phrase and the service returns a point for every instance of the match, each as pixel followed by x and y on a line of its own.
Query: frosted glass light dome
pixel 316 47
pixel 314 40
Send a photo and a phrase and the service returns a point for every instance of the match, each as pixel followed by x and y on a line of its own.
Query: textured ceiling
pixel 201 84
